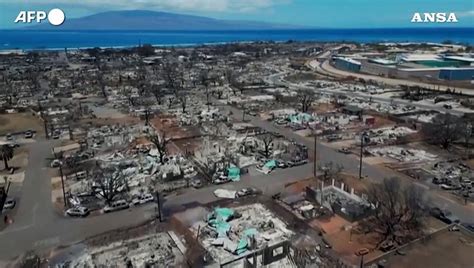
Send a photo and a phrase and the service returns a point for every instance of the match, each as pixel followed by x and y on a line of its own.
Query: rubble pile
pixel 234 231
pixel 382 135
pixel 402 154
pixel 156 250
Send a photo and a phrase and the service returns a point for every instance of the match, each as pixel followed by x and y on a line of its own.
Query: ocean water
pixel 23 39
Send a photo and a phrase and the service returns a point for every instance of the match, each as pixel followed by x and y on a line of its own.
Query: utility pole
pixel 160 216
pixel 315 164
pixel 362 135
pixel 147 116
pixel 8 187
pixel 62 184
pixel 315 168
pixel 5 191
pixel 468 137
pixel 362 261
pixel 45 121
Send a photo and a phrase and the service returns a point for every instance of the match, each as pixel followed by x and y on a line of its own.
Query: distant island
pixel 158 21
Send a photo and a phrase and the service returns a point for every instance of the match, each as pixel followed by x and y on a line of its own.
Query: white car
pixel 78 212
pixel 117 205
pixel 28 134
pixel 143 199
pixel 265 170
pixel 249 191
pixel 56 163
pixel 9 203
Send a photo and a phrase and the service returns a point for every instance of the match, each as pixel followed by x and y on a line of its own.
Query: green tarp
pixel 300 118
pixel 242 246
pixel 233 173
pixel 223 213
pixel 271 164
pixel 250 232
pixel 244 241
pixel 218 219
pixel 222 229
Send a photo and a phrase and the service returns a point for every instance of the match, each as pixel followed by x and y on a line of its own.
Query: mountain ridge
pixel 157 20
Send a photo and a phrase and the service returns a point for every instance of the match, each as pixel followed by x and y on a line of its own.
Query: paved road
pixel 55 230
pixel 373 172
pixel 35 205
pixel 277 78
pixel 38 227
pixel 325 67
pixel 351 163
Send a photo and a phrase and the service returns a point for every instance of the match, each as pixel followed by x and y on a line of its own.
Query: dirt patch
pixel 302 77
pixel 11 123
pixel 170 125
pixel 347 243
pixel 381 121
pixel 359 186
pixel 299 186
pixel 447 249
pixel 324 107
pixel 127 120
pixel 331 225
pixel 470 163
pixel 4 121
pixel 189 145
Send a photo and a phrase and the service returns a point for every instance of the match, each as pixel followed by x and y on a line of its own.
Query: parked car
pixel 28 134
pixel 13 145
pixel 78 212
pixel 444 216
pixel 9 203
pixel 282 164
pixel 9 137
pixel 196 183
pixel 56 163
pixel 468 226
pixel 334 137
pixel 248 192
pixel 344 150
pixel 437 180
pixel 447 106
pixel 297 163
pixel 143 199
pixel 446 187
pixel 221 180
pixel 117 205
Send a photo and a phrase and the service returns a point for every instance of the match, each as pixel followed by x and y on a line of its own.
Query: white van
pixel 116 205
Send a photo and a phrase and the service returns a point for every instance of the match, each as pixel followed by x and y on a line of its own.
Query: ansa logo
pixel 55 16
pixel 434 17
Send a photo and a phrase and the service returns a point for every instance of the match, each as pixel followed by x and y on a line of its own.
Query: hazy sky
pixel 314 13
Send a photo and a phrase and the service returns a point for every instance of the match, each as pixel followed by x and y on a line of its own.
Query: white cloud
pixel 229 6
pixel 469 13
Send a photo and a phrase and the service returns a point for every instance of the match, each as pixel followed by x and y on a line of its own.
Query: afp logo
pixel 55 16
pixel 434 18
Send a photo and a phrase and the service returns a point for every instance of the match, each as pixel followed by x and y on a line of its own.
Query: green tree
pixel 6 154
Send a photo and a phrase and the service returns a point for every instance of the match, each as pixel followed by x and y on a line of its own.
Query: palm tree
pixel 6 154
